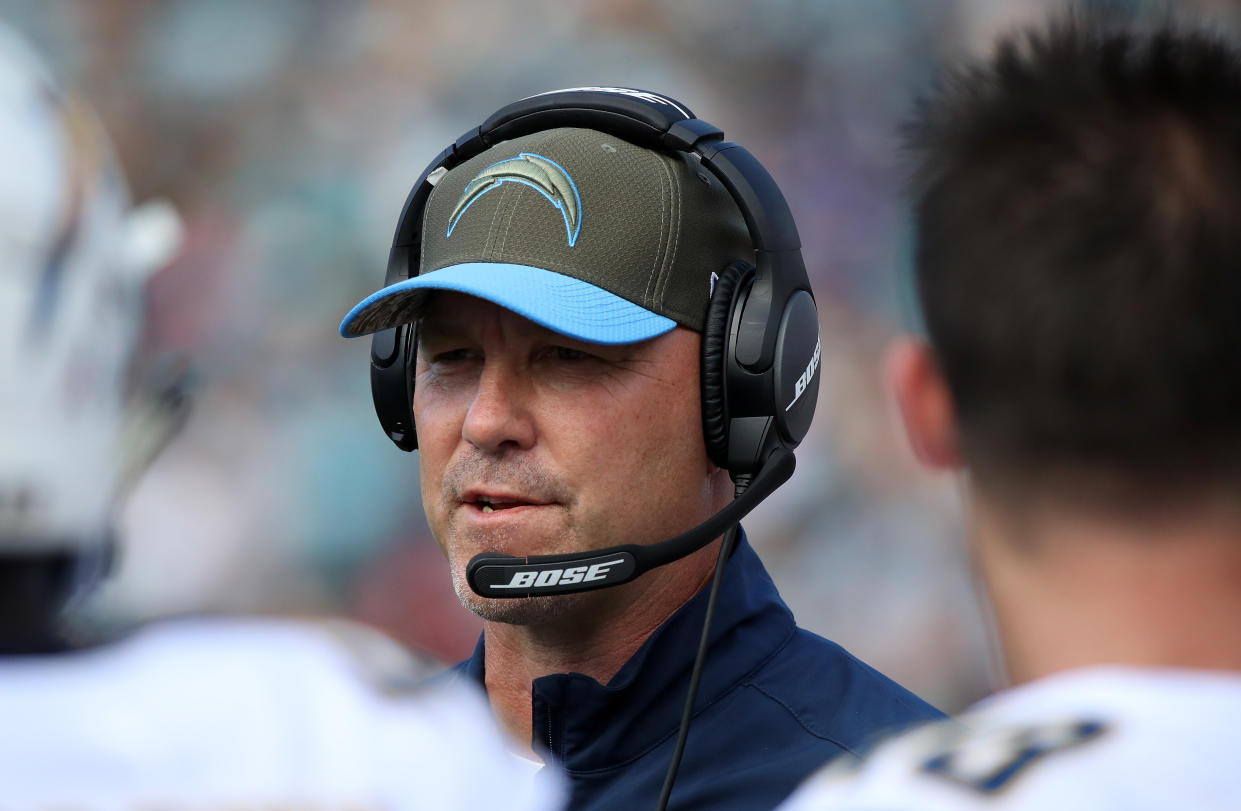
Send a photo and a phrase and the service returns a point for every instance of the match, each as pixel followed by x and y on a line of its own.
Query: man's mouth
pixel 493 502
pixel 488 506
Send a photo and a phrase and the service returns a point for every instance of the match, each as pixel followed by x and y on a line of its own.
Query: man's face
pixel 532 443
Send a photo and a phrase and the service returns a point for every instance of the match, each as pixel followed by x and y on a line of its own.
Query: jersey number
pixel 990 763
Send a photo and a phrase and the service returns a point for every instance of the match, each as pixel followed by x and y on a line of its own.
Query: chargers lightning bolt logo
pixel 545 176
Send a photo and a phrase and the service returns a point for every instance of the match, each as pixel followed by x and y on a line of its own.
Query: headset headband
pixel 647 120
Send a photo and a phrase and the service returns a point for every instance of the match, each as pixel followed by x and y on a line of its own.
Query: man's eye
pixel 450 356
pixel 568 353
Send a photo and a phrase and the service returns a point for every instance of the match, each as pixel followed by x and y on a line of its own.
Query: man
pixel 1078 202
pixel 186 714
pixel 559 300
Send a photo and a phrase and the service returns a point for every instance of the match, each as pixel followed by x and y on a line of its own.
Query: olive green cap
pixel 579 231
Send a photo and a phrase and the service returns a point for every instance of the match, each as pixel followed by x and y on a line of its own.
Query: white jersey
pixel 1102 738
pixel 253 715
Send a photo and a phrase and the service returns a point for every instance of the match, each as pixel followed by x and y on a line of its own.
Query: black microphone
pixel 496 575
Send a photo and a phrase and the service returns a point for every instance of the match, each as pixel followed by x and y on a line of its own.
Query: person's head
pixel 1077 202
pixel 563 285
pixel 75 261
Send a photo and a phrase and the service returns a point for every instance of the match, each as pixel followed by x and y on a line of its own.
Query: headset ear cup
pixel 409 361
pixel 714 367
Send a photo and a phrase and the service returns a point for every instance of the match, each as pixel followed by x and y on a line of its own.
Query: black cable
pixel 726 550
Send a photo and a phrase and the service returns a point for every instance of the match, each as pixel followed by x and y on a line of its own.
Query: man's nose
pixel 499 417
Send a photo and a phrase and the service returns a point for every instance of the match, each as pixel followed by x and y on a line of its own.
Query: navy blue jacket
pixel 775 702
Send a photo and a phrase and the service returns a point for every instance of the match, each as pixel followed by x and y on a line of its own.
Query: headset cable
pixel 726 550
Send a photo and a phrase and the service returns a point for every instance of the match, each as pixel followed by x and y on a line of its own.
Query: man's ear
pixel 923 402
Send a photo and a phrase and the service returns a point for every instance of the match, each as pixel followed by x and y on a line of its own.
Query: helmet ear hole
pixel 714 350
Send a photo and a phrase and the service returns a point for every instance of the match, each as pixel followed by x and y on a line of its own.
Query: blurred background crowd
pixel 287 134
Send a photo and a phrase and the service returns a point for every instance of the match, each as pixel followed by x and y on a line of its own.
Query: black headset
pixel 760 343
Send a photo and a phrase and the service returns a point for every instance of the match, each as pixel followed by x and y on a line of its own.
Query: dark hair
pixel 1078 214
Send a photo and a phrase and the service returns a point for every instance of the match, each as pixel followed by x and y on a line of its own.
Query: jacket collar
pixel 590 726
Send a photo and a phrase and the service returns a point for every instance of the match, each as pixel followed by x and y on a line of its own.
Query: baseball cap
pixel 576 230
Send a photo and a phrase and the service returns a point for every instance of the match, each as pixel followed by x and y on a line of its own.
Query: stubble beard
pixel 515 610
pixel 539 610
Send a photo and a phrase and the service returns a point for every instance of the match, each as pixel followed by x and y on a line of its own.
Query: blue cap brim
pixel 558 302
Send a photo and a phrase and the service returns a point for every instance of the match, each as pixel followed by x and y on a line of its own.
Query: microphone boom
pixel 507 576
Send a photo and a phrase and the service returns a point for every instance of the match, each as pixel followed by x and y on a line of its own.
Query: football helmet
pixel 75 258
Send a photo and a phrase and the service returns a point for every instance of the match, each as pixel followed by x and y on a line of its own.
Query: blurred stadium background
pixel 287 134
